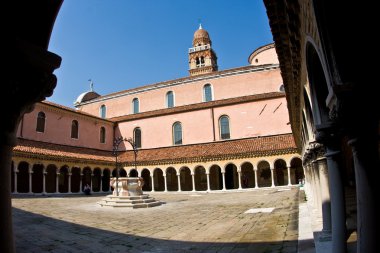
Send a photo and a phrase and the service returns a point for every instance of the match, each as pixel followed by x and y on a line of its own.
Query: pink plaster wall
pixel 245 121
pixel 58 128
pixel 268 56
pixel 190 93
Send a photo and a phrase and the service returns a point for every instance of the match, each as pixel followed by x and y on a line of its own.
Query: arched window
pixel 224 126
pixel 74 129
pixel 197 62
pixel 102 135
pixel 207 93
pixel 135 105
pixel 281 88
pixel 177 133
pixel 202 61
pixel 170 99
pixel 40 127
pixel 137 137
pixel 103 111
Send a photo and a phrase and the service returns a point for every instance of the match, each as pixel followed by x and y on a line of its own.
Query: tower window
pixel 74 129
pixel 207 93
pixel 103 111
pixel 135 105
pixel 137 137
pixel 40 127
pixel 202 61
pixel 170 99
pixel 177 133
pixel 224 126
pixel 197 62
pixel 102 135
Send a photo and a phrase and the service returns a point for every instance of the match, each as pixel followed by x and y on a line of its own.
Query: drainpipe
pixel 213 123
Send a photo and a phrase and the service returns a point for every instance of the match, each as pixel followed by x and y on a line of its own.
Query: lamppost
pixel 116 144
pixel 135 151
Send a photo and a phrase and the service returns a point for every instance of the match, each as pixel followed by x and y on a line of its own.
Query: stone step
pixel 129 201
pixel 129 205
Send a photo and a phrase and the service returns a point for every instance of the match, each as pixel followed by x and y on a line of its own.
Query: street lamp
pixel 135 151
pixel 115 151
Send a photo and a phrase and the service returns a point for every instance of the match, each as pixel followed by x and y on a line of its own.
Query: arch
pixel 63 179
pixel 216 180
pixel 51 178
pixel 159 181
pixel 23 177
pixel 224 127
pixel 137 137
pixel 207 93
pixel 122 172
pixel 231 176
pixel 103 111
pixel 200 178
pixel 296 171
pixel 170 99
pixel 74 129
pixel 171 179
pixel 96 178
pixel 318 84
pixel 86 178
pixel 281 88
pixel 197 62
pixel 145 174
pixel 247 175
pixel 186 179
pixel 41 120
pixel 264 176
pixel 177 133
pixel 37 178
pixel 106 180
pixel 133 173
pixel 102 135
pixel 75 179
pixel 135 106
pixel 280 172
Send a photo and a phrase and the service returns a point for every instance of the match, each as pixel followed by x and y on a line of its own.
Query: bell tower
pixel 202 59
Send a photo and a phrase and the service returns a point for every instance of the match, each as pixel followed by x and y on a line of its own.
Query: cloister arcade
pixel 34 177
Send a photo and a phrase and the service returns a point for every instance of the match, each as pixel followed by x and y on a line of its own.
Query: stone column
pixel 289 179
pixel 30 173
pixel 44 181
pixel 101 182
pixel 57 183
pixel 15 171
pixel 317 187
pixel 256 181
pixel 272 175
pixel 239 172
pixel 69 188
pixel 208 181
pixel 325 194
pixel 338 212
pixel 166 184
pixel 179 181
pixel 92 180
pixel 193 181
pixel 152 183
pixel 80 182
pixel 224 180
pixel 366 162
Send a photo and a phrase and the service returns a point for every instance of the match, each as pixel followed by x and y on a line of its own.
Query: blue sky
pixel 123 44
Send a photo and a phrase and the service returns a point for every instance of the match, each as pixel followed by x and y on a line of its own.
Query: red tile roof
pixel 220 150
pixel 199 106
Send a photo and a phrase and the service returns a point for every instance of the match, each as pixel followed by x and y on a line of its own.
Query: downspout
pixel 213 123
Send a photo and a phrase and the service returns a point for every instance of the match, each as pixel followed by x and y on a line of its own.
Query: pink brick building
pixel 213 130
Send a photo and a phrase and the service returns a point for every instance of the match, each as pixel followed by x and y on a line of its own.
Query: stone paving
pixel 186 222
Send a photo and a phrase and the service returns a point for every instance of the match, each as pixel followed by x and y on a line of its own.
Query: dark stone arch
pixel 264 178
pixel 216 178
pixel 86 178
pixel 200 178
pixel 145 174
pixel 37 178
pixel 23 177
pixel 63 179
pixel 247 175
pixel 133 173
pixel 296 171
pixel 280 173
pixel 231 176
pixel 51 178
pixel 186 179
pixel 75 179
pixel 159 181
pixel 96 178
pixel 171 179
pixel 106 180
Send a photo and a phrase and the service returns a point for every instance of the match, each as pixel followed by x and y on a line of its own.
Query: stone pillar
pixel 152 182
pixel 57 183
pixel 317 187
pixel 224 180
pixel 80 182
pixel 92 180
pixel 289 179
pixel 15 171
pixel 44 181
pixel 272 175
pixel 366 163
pixel 30 173
pixel 193 181
pixel 166 184
pixel 179 181
pixel 69 188
pixel 208 181
pixel 239 172
pixel 256 181
pixel 325 195
pixel 338 212
pixel 101 182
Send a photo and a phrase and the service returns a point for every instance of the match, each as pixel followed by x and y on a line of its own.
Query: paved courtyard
pixel 186 222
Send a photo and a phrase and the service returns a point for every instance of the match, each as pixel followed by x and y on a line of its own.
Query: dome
pixel 201 33
pixel 86 96
pixel 201 37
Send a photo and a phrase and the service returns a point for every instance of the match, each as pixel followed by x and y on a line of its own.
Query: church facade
pixel 213 130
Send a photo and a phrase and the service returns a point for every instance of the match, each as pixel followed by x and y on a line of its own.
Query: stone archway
pixel 231 177
pixel 247 175
pixel 145 174
pixel 51 178
pixel 96 178
pixel 23 177
pixel 280 173
pixel 86 178
pixel 216 178
pixel 264 176
pixel 186 179
pixel 159 181
pixel 171 179
pixel 200 178
pixel 63 179
pixel 296 171
pixel 75 179
pixel 106 180
pixel 37 178
pixel 133 173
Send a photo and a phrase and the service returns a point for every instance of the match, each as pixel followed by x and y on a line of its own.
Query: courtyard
pixel 264 220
